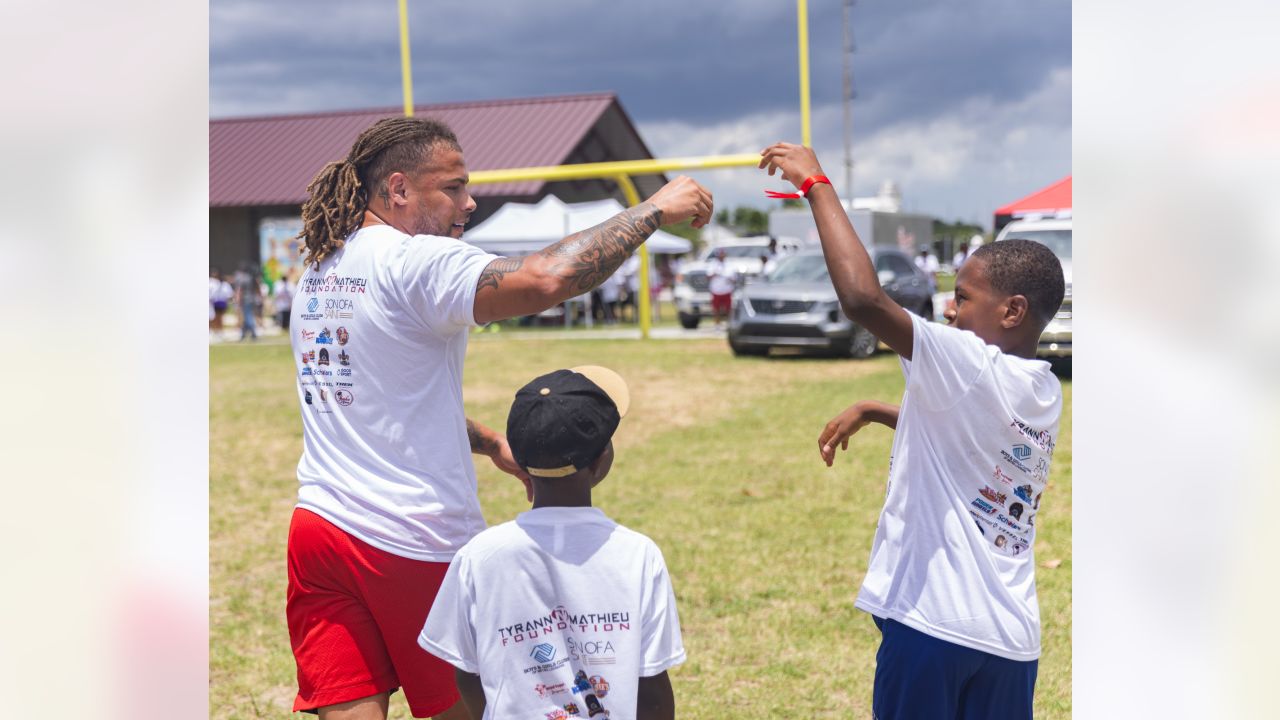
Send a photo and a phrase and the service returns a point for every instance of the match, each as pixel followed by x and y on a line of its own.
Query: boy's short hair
pixel 562 421
pixel 1027 268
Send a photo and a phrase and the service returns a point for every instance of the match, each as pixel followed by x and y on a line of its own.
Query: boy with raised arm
pixel 951 579
pixel 561 613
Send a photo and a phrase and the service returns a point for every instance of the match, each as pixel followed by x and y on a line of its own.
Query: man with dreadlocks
pixel 379 330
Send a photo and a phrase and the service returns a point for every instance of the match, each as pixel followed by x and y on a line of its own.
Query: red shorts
pixel 354 614
pixel 721 303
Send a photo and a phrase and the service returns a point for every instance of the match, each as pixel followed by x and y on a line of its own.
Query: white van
pixel 1054 233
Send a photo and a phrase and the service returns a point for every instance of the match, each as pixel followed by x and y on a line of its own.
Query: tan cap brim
pixel 612 384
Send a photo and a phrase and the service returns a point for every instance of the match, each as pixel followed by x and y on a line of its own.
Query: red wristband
pixel 804 188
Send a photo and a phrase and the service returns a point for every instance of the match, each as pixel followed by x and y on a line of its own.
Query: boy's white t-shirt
pixel 559 612
pixel 953 552
pixel 379 334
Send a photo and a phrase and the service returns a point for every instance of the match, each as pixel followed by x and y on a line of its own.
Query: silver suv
pixel 796 306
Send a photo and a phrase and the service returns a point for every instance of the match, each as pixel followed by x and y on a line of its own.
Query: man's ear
pixel 397 188
pixel 1015 312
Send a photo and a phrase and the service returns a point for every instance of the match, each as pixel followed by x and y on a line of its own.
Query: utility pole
pixel 848 101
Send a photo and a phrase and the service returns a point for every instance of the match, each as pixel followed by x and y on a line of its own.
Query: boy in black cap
pixel 562 612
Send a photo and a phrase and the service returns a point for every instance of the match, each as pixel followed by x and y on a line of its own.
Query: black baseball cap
pixel 561 422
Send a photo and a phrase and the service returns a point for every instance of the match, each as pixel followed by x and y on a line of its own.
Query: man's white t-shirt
pixel 379 335
pixel 953 552
pixel 559 612
pixel 720 279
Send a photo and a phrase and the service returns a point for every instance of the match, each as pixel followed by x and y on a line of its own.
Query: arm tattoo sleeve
pixel 589 257
pixel 479 443
pixel 492 275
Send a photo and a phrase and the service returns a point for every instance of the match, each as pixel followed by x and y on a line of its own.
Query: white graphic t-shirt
pixel 559 612
pixel 952 555
pixel 379 334
pixel 721 280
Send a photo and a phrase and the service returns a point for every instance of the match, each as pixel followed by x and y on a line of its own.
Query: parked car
pixel 692 296
pixel 796 306
pixel 1055 233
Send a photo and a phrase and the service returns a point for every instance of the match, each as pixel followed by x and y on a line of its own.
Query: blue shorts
pixel 919 676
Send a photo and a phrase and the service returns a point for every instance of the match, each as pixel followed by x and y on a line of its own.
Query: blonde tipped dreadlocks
pixel 339 194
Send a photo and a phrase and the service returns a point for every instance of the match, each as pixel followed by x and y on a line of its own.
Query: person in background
pixel 248 301
pixel 720 281
pixel 284 301
pixel 961 255
pixel 928 262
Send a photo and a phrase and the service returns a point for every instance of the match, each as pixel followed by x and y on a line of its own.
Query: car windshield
pixel 740 251
pixel 800 268
pixel 1059 241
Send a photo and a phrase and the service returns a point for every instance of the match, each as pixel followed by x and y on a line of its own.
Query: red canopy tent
pixel 1050 201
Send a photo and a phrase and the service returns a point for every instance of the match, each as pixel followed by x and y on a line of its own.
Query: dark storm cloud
pixel 703 63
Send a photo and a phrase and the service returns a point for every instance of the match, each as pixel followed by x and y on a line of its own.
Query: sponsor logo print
pixel 1016 510
pixel 339 308
pixel 306 371
pixel 1040 438
pixel 1023 492
pixel 324 357
pixel 306 334
pixel 543 652
pixel 1041 471
pixel 344 397
pixel 306 395
pixel 592 652
pixel 983 505
pixel 343 336
pixel 993 495
pixel 572 708
pixel 324 396
pixel 324 338
pixel 1022 452
pixel 1019 547
pixel 333 283
pixel 561 619
pixel 1036 504
pixel 312 304
pixel 543 690
pixel 308 357
pixel 345 372
pixel 343 358
pixel 599 685
pixel 1001 476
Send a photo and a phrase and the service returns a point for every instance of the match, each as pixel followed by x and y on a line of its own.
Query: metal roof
pixel 270 160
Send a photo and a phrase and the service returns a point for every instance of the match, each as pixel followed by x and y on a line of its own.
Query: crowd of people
pixel 247 293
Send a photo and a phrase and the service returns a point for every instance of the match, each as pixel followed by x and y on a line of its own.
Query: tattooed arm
pixel 510 287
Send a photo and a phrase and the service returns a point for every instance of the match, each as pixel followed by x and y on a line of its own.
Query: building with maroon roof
pixel 259 167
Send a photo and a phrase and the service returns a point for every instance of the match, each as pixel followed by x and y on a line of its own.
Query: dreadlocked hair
pixel 339 194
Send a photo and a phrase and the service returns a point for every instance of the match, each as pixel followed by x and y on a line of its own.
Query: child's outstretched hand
pixel 837 432
pixel 797 162
pixel 858 416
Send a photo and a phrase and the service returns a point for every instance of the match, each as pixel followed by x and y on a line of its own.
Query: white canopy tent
pixel 521 228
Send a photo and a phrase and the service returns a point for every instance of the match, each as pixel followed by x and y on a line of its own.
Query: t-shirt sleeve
pixel 449 632
pixel 660 625
pixel 945 363
pixel 439 278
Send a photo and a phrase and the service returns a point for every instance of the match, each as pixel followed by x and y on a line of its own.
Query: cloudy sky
pixel 966 105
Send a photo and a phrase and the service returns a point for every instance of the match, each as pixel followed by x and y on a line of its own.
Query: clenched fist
pixel 683 198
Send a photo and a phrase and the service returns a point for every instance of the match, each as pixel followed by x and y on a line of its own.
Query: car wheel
pixel 689 322
pixel 862 344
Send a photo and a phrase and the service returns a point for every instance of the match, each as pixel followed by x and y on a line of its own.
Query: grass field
pixel 717 462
